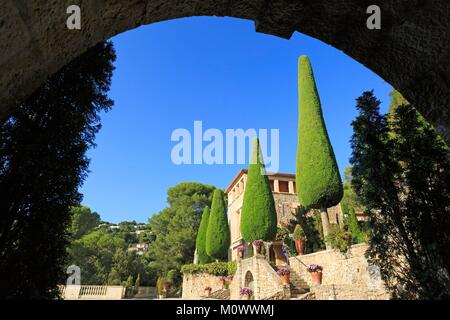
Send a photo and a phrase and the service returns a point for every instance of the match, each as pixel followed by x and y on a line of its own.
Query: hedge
pixel 214 268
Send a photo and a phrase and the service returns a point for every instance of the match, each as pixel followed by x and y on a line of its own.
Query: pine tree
pixel 319 184
pixel 201 238
pixel 42 165
pixel 258 217
pixel 401 172
pixel 218 231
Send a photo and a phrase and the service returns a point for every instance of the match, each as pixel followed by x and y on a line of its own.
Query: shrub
pixel 258 217
pixel 299 233
pixel 214 268
pixel 218 231
pixel 339 239
pixel 282 233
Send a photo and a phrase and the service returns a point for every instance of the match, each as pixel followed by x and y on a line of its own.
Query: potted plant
pixel 316 273
pixel 208 291
pixel 284 275
pixel 246 293
pixel 299 238
pixel 257 244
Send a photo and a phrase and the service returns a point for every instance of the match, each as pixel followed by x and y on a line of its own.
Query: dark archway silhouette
pixel 411 51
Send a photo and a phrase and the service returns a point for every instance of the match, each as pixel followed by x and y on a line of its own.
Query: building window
pixel 271 185
pixel 283 186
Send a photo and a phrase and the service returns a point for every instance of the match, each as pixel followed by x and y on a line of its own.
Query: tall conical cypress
pixel 319 184
pixel 258 217
pixel 218 231
pixel 201 238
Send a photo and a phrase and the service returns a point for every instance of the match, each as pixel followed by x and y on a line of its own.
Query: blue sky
pixel 219 71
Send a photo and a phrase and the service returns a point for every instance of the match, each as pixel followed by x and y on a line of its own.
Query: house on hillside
pixel 286 203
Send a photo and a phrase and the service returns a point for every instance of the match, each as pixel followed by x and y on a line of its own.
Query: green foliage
pixel 172 276
pixel 129 282
pixel 83 221
pixel 42 165
pixel 282 234
pixel 401 171
pixel 350 204
pixel 318 180
pixel 103 259
pixel 214 268
pixel 175 228
pixel 160 285
pixel 258 217
pixel 218 231
pixel 201 238
pixel 299 233
pixel 137 284
pixel 339 239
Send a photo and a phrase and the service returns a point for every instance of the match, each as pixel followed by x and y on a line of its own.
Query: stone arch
pixel 410 51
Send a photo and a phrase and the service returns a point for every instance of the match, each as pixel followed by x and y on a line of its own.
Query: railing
pixel 296 258
pixel 93 290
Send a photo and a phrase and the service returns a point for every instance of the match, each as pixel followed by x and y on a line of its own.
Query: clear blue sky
pixel 219 71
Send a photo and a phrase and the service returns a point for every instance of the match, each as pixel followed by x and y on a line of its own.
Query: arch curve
pixel 411 51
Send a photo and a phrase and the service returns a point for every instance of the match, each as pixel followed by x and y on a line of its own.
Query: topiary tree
pixel 201 238
pixel 319 184
pixel 259 217
pixel 218 231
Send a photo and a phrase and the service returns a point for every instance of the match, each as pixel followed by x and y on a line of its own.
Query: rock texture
pixel 411 51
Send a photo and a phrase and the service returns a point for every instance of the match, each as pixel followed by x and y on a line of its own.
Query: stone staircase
pixel 299 288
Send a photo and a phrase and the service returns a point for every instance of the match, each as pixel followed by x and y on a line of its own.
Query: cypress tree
pixel 259 217
pixel 319 184
pixel 201 238
pixel 218 231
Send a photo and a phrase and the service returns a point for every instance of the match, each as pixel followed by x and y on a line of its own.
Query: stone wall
pixel 265 281
pixel 194 285
pixel 345 276
pixel 347 292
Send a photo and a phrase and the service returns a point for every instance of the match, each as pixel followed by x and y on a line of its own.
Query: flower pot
pixel 222 282
pixel 245 297
pixel 207 293
pixel 316 277
pixel 160 297
pixel 285 279
pixel 300 247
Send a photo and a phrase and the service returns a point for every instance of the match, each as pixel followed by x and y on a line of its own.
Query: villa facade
pixel 286 203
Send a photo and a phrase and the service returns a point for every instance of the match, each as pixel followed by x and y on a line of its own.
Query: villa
pixel 286 203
